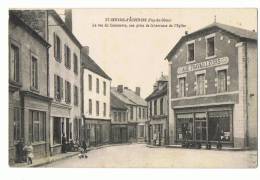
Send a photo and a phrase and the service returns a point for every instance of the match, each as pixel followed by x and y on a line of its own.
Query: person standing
pixel 28 149
pixel 63 142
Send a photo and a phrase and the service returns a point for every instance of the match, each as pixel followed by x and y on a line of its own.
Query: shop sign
pixel 203 65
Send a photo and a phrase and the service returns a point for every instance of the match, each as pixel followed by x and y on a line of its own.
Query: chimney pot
pixel 120 88
pixel 137 91
pixel 186 32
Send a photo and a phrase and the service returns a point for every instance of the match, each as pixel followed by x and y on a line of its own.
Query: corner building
pixel 213 87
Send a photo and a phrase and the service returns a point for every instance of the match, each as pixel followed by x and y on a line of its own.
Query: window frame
pixel 97 85
pixel 90 82
pixel 67 56
pixel 17 62
pixel 90 109
pixel 57 51
pixel 34 58
pixel 198 93
pixel 180 94
pixel 97 108
pixel 104 88
pixel 75 64
pixel 207 48
pixel 225 69
pixel 188 61
pixel 67 92
pixel 76 95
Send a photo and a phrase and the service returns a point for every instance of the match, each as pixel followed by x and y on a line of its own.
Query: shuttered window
pixel 58 87
pixel 57 47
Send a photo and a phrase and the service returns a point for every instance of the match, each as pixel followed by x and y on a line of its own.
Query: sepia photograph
pixel 133 88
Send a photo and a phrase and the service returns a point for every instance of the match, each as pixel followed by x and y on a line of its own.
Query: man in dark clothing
pixel 63 141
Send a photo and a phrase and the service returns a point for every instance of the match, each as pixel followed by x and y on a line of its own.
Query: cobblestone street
pixel 138 155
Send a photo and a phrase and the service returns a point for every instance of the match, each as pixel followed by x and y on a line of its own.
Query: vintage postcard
pixel 133 88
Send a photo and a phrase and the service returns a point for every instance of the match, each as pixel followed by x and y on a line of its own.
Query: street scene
pixel 140 156
pixel 133 88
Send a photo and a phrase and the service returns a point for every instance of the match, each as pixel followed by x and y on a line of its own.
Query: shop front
pixel 203 125
pixel 119 133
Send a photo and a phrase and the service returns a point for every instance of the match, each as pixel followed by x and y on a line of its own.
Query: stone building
pixel 95 101
pixel 28 91
pixel 136 112
pixel 118 120
pixel 158 112
pixel 63 72
pixel 213 87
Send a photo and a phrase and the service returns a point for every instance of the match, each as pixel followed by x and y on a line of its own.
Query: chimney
pixel 85 50
pixel 186 32
pixel 125 87
pixel 137 91
pixel 120 88
pixel 68 18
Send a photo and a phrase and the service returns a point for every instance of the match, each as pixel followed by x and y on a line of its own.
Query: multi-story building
pixel 28 91
pixel 118 120
pixel 158 112
pixel 63 72
pixel 213 87
pixel 136 112
pixel 95 100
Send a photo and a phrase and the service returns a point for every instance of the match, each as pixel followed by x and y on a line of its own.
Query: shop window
pixel 14 63
pixel 89 82
pixel 58 87
pixel 67 92
pixel 222 81
pixel 97 108
pixel 155 107
pixel 34 73
pixel 37 126
pixel 219 126
pixel 75 63
pixel 90 106
pixel 67 56
pixel 210 47
pixel 200 84
pixel 191 52
pixel 200 126
pixel 97 85
pixel 17 124
pixel 57 47
pixel 182 90
pixel 57 130
pixel 184 126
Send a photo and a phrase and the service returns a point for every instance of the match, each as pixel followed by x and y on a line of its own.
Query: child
pixel 29 152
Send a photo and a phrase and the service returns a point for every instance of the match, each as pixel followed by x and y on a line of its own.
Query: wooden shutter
pixel 61 88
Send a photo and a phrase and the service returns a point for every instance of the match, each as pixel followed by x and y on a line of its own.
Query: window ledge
pixel 210 57
pixel 190 62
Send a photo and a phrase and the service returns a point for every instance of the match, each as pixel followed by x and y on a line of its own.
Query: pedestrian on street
pixel 28 149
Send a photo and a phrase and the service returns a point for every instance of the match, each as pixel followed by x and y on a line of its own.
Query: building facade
pixel 212 87
pixel 96 101
pixel 136 112
pixel 29 102
pixel 118 120
pixel 158 113
pixel 63 73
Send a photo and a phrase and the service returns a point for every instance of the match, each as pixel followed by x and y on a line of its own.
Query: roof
pixel 157 92
pixel 121 96
pixel 134 97
pixel 239 32
pixel 88 63
pixel 116 103
pixel 18 21
pixel 64 26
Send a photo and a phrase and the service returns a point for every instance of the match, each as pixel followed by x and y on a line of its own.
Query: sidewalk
pixel 57 157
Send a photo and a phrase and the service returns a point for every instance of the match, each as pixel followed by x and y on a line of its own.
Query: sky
pixel 135 56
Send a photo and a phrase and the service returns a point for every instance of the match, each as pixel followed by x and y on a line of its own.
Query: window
pixel 131 112
pixel 184 127
pixel 75 63
pixel 97 108
pixel 76 96
pixel 89 82
pixel 222 81
pixel 155 107
pixel 104 88
pixel 14 63
pixel 119 116
pixel 182 89
pixel 37 126
pixel 210 47
pixel 144 113
pixel 141 130
pixel 17 124
pixel 57 48
pixel 200 84
pixel 151 108
pixel 67 56
pixel 161 106
pixel 115 116
pixel 67 92
pixel 140 113
pixel 191 52
pixel 97 85
pixel 34 73
pixel 57 130
pixel 58 87
pixel 90 106
pixel 124 116
pixel 104 109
